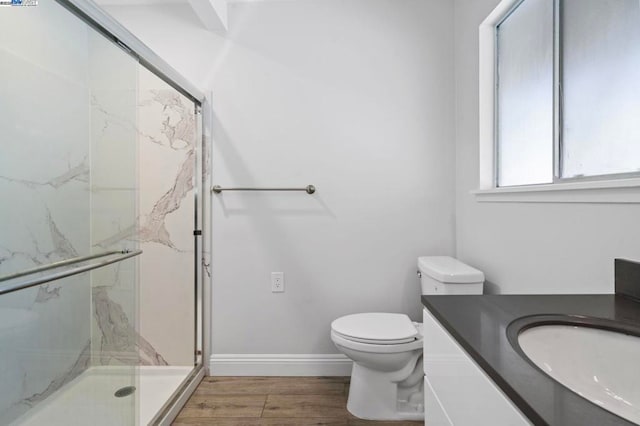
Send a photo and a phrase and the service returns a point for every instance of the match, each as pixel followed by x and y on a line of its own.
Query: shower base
pixel 90 398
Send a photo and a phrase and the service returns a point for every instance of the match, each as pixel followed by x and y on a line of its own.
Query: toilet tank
pixel 446 275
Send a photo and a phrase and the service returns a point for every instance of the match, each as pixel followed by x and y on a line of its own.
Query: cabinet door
pixel 456 389
pixel 435 415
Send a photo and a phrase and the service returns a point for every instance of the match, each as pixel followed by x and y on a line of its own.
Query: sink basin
pixel 595 358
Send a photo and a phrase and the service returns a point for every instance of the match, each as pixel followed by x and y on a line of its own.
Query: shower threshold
pixel 90 398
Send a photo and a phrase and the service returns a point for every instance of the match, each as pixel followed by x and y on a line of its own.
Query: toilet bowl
pixel 386 348
pixel 386 380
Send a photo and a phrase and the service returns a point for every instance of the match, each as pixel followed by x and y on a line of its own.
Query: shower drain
pixel 125 391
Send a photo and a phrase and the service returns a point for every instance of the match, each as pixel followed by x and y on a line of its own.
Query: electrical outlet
pixel 277 282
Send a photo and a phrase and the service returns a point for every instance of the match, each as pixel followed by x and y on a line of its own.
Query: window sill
pixel 618 191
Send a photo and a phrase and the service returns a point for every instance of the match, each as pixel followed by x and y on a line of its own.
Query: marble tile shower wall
pixel 167 143
pixel 165 133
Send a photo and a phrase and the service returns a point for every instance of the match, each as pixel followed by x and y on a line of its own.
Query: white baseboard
pixel 279 365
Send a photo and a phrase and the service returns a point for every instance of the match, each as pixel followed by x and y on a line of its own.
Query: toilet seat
pixel 376 328
pixel 377 348
pixel 376 342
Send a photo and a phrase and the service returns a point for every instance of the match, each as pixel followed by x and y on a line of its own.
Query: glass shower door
pixel 68 182
pixel 114 183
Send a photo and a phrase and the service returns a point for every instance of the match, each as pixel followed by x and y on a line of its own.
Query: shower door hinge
pixel 197 232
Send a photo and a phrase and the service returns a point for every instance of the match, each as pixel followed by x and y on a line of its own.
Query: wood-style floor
pixel 272 401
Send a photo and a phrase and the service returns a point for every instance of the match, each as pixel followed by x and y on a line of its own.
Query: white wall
pixel 353 97
pixel 527 248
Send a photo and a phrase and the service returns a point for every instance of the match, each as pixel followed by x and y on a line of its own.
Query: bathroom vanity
pixel 474 374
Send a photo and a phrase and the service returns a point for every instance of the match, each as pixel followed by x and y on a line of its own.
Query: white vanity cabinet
pixel 456 390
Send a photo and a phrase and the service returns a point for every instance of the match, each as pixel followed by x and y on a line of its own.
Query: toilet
pixel 386 348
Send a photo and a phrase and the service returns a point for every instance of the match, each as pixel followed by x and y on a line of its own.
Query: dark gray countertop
pixel 479 325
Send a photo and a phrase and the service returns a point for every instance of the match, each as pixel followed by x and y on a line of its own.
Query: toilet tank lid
pixel 446 269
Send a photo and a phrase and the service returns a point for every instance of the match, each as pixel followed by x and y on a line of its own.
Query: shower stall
pixel 102 166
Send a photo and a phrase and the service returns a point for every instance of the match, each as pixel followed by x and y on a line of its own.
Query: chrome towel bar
pixel 309 189
pixel 10 288
pixel 58 264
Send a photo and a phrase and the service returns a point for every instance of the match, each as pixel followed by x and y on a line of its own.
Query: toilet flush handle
pixel 419 273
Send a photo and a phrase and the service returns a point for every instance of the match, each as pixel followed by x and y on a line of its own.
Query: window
pixel 567 91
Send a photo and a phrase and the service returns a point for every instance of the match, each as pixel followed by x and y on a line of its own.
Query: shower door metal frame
pixel 94 16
